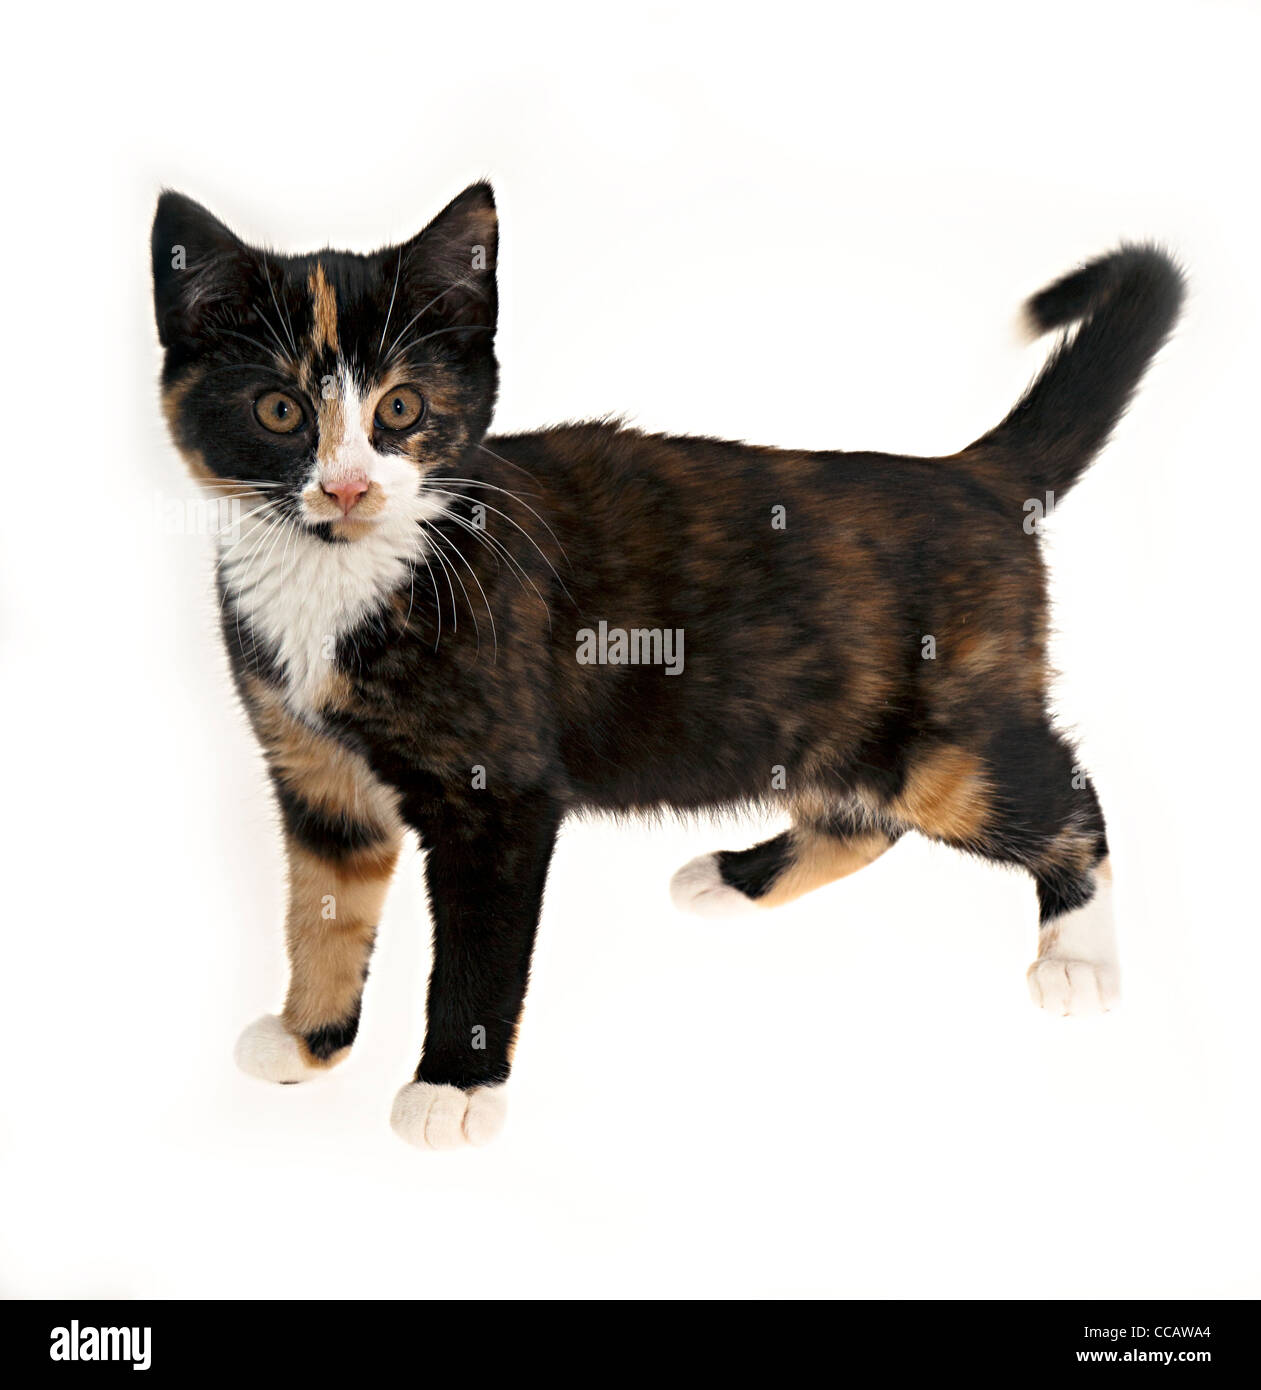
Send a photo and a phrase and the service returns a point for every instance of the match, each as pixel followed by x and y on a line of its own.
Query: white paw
pixel 268 1050
pixel 698 887
pixel 444 1117
pixel 1076 987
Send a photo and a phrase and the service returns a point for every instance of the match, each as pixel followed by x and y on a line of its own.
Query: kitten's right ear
pixel 197 264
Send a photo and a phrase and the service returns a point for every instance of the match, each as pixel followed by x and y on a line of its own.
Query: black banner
pixel 52 1342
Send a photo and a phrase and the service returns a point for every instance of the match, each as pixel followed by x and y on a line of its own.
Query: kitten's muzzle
pixel 346 492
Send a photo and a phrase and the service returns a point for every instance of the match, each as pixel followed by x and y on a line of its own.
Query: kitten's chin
pixel 352 528
pixel 343 529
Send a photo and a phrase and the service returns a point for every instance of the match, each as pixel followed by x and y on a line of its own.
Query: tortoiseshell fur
pixel 807 587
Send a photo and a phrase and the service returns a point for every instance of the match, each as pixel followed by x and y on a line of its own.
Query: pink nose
pixel 347 492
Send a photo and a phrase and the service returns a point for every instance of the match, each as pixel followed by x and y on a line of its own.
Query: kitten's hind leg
pixel 1077 970
pixel 817 850
pixel 1049 819
pixel 1022 798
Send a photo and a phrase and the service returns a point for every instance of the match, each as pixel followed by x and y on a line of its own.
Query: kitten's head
pixel 332 383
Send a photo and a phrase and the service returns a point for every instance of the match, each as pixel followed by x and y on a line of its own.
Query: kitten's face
pixel 334 384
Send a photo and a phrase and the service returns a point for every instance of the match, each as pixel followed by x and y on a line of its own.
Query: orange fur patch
pixel 330 928
pixel 818 859
pixel 324 773
pixel 324 310
pixel 172 401
pixel 946 795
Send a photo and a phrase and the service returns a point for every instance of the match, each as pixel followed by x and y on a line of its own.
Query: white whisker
pixel 280 313
pixel 390 310
pixel 436 536
pixel 442 492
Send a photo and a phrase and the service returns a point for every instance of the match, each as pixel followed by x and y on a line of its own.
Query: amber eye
pixel 400 409
pixel 277 412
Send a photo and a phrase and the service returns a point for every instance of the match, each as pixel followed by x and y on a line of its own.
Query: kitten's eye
pixel 277 412
pixel 400 409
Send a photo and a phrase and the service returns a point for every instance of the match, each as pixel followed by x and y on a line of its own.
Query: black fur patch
pixel 330 1039
pixel 753 871
pixel 334 838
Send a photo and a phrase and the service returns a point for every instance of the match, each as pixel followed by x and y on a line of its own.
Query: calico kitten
pixel 474 637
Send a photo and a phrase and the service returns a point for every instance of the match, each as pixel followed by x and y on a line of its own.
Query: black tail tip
pixel 1143 270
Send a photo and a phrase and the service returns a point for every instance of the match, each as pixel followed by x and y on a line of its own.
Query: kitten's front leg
pixel 334 906
pixel 487 864
pixel 342 839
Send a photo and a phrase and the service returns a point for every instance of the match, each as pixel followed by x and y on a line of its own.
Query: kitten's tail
pixel 1126 304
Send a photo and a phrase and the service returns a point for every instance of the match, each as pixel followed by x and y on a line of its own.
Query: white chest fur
pixel 297 595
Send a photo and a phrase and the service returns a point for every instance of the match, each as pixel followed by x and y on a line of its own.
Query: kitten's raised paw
pixel 445 1117
pixel 1074 987
pixel 699 887
pixel 269 1051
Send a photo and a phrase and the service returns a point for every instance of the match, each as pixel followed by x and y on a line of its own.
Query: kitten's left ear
pixel 450 266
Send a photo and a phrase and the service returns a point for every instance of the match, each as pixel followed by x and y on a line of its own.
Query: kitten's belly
pixel 639 737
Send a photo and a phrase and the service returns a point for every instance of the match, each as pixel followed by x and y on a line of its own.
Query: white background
pixel 803 226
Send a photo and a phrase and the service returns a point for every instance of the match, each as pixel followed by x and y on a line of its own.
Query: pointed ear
pixel 449 268
pixel 198 264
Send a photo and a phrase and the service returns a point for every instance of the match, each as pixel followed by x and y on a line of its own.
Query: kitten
pixel 474 637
